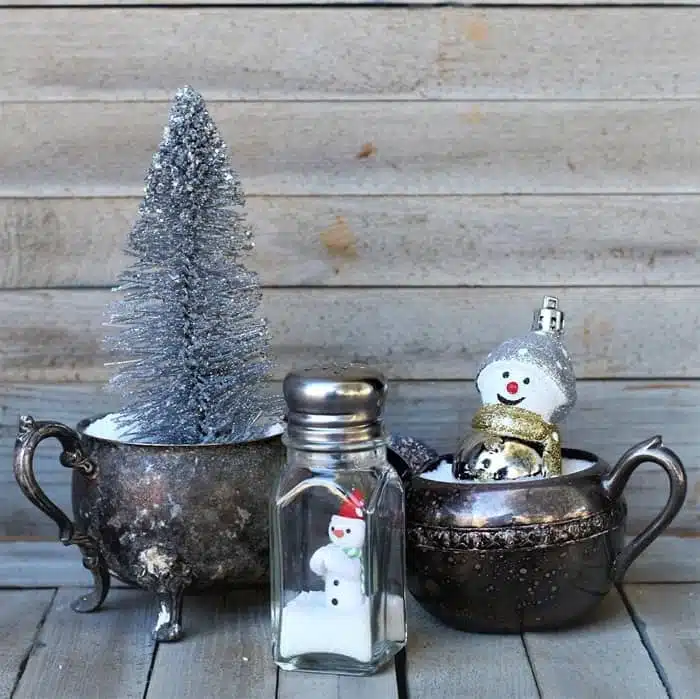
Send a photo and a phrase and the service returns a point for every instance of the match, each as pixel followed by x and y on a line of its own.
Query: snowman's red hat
pixel 353 506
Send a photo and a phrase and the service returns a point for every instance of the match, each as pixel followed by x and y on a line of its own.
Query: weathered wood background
pixel 418 177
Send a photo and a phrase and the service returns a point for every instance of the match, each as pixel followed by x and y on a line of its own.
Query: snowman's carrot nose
pixel 339 533
pixel 512 387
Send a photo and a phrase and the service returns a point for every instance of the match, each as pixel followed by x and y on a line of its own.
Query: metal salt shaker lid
pixel 334 407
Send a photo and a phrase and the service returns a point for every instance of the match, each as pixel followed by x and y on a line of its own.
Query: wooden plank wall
pixel 418 177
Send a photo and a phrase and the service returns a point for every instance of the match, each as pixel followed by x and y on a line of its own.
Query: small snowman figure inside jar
pixel 527 384
pixel 340 562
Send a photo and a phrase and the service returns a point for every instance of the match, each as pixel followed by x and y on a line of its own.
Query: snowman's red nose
pixel 512 387
pixel 339 533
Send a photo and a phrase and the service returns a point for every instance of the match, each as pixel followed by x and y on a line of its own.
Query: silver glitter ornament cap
pixel 334 407
pixel 543 347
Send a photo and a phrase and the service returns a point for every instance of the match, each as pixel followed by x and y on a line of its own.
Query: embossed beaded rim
pixel 518 537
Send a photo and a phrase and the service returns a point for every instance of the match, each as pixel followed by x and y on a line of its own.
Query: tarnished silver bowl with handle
pixel 167 518
pixel 528 554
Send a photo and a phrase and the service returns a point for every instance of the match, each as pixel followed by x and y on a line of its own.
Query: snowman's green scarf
pixel 355 552
pixel 518 423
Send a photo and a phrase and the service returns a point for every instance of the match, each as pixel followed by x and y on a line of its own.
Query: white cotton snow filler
pixel 309 625
pixel 108 427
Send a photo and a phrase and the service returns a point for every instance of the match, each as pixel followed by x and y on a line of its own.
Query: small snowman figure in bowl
pixel 339 563
pixel 527 384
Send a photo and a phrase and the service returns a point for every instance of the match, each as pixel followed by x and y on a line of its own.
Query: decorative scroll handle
pixel 653 451
pixel 31 433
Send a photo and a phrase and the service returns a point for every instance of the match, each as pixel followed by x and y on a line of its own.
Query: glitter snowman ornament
pixel 340 562
pixel 527 384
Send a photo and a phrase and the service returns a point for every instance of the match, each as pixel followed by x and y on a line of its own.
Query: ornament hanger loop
pixel 549 318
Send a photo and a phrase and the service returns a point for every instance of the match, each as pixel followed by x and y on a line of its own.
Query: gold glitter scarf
pixel 518 423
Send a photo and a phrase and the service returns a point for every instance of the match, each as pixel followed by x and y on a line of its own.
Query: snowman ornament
pixel 526 385
pixel 339 563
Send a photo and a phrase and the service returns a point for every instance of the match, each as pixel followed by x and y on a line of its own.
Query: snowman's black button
pixel 336 582
pixel 334 602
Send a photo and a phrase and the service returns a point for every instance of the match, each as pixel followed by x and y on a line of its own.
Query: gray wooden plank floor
pixel 668 619
pixel 301 685
pixel 21 615
pixel 225 652
pixel 450 664
pixel 47 564
pixel 601 658
pixel 644 642
pixel 83 656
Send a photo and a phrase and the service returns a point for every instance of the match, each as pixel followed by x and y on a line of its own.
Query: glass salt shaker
pixel 337 528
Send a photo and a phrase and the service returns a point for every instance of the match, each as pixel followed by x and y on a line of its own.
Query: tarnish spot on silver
pixel 156 562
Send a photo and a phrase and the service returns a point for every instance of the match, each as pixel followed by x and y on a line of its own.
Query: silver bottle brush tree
pixel 190 352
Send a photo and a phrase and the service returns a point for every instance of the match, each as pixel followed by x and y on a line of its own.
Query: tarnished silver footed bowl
pixel 166 518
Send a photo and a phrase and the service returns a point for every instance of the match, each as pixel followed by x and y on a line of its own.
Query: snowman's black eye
pixel 526 381
pixel 506 374
pixel 347 531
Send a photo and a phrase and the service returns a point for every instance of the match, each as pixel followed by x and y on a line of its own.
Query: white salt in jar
pixel 337 528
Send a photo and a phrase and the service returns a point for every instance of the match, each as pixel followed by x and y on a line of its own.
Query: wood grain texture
pixel 77 654
pixel 670 559
pixel 610 417
pixel 450 664
pixel 21 520
pixel 350 53
pixel 43 564
pixel 395 241
pixel 68 403
pixel 304 148
pixel 56 335
pixel 298 685
pixel 335 3
pixel 669 619
pixel 47 564
pixel 604 657
pixel 21 613
pixel 226 651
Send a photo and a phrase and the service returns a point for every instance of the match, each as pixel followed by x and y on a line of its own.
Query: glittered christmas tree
pixel 190 352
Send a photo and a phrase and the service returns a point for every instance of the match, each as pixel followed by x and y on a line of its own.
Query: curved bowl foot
pixel 93 600
pixel 168 626
pixel 90 602
pixel 167 632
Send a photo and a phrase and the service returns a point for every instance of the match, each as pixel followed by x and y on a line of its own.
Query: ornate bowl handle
pixel 651 450
pixel 30 434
